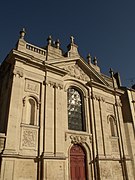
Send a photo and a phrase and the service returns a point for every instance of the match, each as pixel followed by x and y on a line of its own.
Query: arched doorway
pixel 77 163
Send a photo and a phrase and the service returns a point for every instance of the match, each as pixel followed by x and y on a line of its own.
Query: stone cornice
pixel 55 70
pixel 34 62
pixel 105 88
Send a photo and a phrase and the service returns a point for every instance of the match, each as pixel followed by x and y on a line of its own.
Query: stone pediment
pixel 79 69
pixel 77 72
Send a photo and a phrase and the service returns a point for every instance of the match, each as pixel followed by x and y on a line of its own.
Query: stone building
pixel 61 118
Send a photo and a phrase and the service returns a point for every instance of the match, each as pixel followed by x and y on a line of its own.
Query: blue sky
pixel 105 29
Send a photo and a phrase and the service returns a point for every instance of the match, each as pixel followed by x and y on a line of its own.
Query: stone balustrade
pixel 35 49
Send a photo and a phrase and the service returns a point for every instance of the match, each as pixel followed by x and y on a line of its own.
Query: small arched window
pixel 113 128
pixel 75 110
pixel 31 111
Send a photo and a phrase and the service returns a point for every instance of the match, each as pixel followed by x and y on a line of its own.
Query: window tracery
pixel 75 110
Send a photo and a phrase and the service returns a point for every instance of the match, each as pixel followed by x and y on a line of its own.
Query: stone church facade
pixel 61 118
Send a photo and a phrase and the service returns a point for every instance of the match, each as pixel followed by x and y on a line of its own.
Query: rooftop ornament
pixel 57 42
pixel 89 58
pixel 111 72
pixel 72 39
pixel 22 33
pixel 72 48
pixel 53 43
pixel 49 40
pixel 95 61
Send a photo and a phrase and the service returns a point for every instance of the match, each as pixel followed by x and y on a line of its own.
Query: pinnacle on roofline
pixel 111 72
pixel 95 61
pixel 22 33
pixel 72 39
pixel 89 58
pixel 72 47
pixel 49 40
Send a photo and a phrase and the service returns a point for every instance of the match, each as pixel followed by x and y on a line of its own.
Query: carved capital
pixel 2 141
pixel 54 84
pixel 97 97
pixel 60 86
pixel 18 72
pixel 118 103
pixel 93 97
pixel 102 99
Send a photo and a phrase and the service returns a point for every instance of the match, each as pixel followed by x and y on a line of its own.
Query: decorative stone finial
pixel 95 61
pixel 89 58
pixel 22 33
pixel 49 40
pixel 53 43
pixel 72 48
pixel 111 72
pixel 57 42
pixel 72 39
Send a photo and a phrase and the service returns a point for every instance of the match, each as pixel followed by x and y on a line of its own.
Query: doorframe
pixel 89 169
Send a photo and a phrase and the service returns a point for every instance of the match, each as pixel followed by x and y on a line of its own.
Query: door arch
pixel 77 163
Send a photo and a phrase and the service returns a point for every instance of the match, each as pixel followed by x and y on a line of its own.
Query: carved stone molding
pixel 32 86
pixel 25 99
pixel 18 72
pixel 102 99
pixel 54 84
pixel 118 103
pixel 98 98
pixel 29 138
pixel 78 139
pixel 77 72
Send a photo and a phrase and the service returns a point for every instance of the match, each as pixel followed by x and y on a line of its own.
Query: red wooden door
pixel 77 163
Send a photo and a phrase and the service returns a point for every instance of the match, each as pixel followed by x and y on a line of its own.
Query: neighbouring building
pixel 61 118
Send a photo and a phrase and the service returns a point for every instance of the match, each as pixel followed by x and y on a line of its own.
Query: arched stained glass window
pixel 75 110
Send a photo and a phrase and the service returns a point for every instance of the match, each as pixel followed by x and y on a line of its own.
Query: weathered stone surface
pixel 35 140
